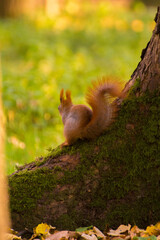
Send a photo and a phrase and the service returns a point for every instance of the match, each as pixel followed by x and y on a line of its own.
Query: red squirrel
pixel 82 122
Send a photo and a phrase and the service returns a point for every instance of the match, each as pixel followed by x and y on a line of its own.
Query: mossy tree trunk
pixel 112 180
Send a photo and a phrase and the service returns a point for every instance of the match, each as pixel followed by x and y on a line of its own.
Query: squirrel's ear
pixel 68 96
pixel 61 95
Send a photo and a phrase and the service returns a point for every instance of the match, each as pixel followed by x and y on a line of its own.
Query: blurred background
pixel 46 45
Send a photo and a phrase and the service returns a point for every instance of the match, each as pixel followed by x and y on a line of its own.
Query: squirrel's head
pixel 65 103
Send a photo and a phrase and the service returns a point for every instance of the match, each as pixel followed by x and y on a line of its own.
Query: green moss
pixel 52 153
pixel 63 221
pixel 26 187
pixel 135 88
pixel 117 177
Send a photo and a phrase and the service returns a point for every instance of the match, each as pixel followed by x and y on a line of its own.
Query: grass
pixel 41 55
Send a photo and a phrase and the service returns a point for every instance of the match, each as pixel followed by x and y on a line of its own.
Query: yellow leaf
pixel 152 230
pixel 42 228
pixel 144 235
pixel 135 231
pixel 157 225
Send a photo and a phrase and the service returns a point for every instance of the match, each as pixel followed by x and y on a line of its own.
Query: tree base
pixel 109 181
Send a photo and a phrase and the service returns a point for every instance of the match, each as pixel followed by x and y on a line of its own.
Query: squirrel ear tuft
pixel 61 95
pixel 68 95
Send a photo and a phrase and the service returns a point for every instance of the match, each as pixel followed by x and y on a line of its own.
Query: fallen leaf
pixel 152 230
pixel 98 233
pixel 158 237
pixel 117 238
pixel 88 237
pixel 42 228
pixel 120 231
pixel 124 228
pixel 157 225
pixel 65 235
pixel 135 231
pixel 127 237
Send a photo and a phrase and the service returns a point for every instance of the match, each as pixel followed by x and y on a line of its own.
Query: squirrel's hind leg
pixel 65 144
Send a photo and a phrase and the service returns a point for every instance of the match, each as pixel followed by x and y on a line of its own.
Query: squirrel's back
pixel 78 117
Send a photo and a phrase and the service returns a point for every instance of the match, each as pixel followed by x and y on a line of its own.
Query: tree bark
pixel 148 69
pixel 111 180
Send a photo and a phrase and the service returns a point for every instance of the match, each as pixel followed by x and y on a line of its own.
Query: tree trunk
pixel 112 180
pixel 148 70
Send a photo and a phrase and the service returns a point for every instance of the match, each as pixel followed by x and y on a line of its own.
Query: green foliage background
pixel 42 54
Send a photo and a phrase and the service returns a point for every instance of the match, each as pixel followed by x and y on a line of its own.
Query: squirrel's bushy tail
pixel 99 98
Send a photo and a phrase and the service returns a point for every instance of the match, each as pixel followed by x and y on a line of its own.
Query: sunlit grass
pixel 69 49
